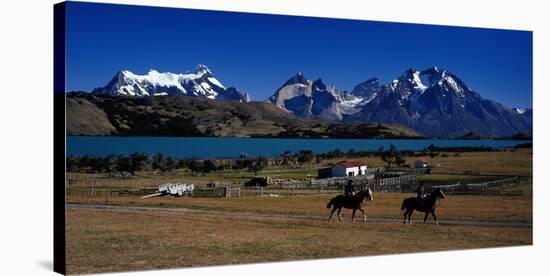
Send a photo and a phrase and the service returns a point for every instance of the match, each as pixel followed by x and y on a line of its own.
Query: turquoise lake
pixel 230 147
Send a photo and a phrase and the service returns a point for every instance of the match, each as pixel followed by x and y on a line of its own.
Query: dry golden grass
pixel 102 241
pixel 445 179
pixel 385 205
pixel 125 239
pixel 517 162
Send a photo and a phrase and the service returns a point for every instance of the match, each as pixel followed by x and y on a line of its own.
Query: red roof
pixel 352 164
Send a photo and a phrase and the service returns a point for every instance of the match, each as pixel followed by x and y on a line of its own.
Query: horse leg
pixel 405 216
pixel 435 218
pixel 426 216
pixel 364 214
pixel 410 214
pixel 331 213
pixel 339 210
pixel 353 216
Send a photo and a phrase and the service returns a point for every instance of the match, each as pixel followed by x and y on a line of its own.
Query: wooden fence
pixel 478 188
pixel 217 192
pixel 386 181
pixel 401 182
pixel 340 181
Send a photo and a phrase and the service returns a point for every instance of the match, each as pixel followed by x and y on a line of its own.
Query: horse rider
pixel 420 194
pixel 348 189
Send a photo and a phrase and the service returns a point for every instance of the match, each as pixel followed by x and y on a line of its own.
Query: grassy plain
pixel 510 162
pixel 384 205
pixel 102 240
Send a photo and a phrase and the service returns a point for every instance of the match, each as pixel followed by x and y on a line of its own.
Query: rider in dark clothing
pixel 420 194
pixel 348 190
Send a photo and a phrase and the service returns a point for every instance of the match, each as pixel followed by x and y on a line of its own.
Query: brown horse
pixel 355 202
pixel 410 204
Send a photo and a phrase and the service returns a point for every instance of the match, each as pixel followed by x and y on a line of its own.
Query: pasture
pixel 384 205
pixel 130 233
pixel 101 241
pixel 510 162
pixel 216 231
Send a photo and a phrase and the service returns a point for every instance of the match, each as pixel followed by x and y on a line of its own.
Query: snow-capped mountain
pixel 308 98
pixel 367 90
pixel 434 102
pixel 199 82
pixel 520 110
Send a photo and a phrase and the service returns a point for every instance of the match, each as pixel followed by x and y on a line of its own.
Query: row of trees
pixel 118 164
pixel 122 165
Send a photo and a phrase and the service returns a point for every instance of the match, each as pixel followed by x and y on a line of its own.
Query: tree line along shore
pixel 124 165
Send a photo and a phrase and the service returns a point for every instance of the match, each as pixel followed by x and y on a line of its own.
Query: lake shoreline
pixel 232 147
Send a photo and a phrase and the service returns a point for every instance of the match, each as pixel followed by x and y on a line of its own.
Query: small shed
pixel 324 173
pixel 258 181
pixel 421 164
pixel 349 168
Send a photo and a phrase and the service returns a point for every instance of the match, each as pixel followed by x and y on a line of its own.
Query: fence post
pixel 106 192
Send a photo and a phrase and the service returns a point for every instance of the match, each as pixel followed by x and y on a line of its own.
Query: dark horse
pixel 355 202
pixel 410 204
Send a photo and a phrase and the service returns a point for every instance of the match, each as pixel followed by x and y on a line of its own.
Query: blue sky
pixel 258 53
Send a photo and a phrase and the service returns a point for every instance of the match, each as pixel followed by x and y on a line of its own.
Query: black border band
pixel 59 244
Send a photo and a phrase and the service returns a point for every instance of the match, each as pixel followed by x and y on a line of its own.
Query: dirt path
pixel 255 215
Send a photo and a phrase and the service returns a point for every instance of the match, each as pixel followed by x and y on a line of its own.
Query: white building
pixel 421 164
pixel 349 168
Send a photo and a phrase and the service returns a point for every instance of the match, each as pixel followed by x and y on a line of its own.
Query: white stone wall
pixel 341 171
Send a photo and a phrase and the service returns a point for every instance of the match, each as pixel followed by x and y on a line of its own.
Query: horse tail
pixel 330 203
pixel 403 205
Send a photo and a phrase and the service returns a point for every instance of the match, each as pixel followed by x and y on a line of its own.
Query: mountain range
pixel 100 115
pixel 199 83
pixel 434 102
